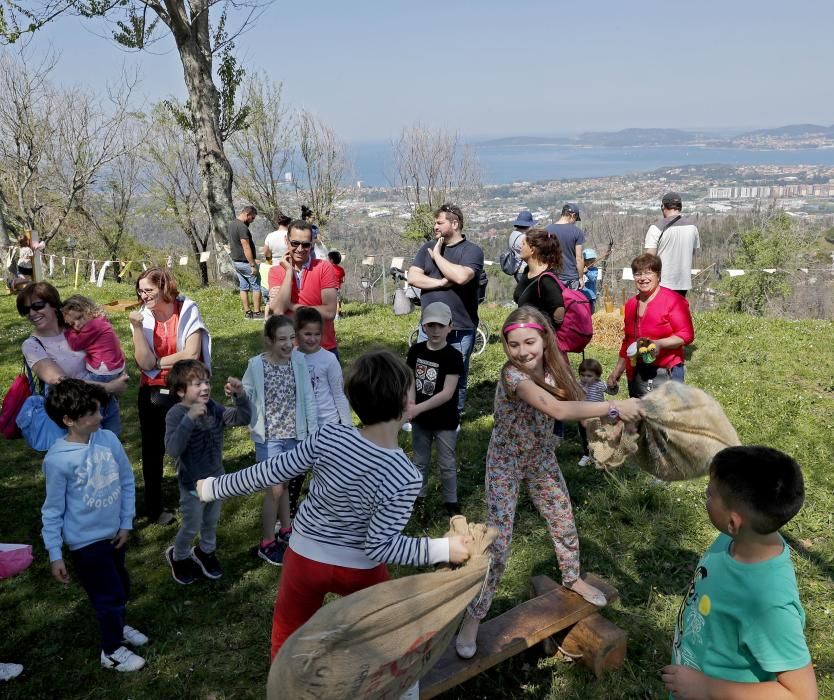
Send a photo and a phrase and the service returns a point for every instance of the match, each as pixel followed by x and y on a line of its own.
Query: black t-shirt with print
pixel 431 367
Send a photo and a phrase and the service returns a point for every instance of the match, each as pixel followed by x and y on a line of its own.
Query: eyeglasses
pixel 301 244
pixel 645 275
pixel 147 292
pixel 36 306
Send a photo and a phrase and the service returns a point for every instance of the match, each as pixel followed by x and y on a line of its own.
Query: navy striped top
pixel 359 501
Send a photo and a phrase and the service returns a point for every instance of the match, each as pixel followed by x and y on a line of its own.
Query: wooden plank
pixel 121 305
pixel 509 634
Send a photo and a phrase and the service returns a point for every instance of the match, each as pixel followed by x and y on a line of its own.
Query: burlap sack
pixel 681 431
pixel 378 642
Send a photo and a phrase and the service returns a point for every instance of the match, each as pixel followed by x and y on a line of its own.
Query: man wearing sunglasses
pixel 297 280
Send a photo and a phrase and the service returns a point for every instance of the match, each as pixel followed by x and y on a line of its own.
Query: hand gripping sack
pixel 577 327
pixel 682 429
pixel 378 642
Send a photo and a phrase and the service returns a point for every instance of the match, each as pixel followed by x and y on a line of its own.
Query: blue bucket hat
pixel 524 220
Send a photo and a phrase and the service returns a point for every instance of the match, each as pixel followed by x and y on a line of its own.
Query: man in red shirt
pixel 312 282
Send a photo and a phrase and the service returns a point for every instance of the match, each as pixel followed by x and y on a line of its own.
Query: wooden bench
pixel 554 610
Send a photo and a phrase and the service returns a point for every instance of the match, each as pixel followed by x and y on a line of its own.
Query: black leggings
pixel 152 429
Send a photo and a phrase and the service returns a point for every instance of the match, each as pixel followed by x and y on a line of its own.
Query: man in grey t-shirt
pixel 245 257
pixel 571 238
pixel 674 239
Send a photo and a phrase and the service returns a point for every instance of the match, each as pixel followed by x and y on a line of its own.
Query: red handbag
pixel 18 392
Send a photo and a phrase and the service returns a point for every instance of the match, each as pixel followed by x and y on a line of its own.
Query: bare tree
pixel 263 150
pixel 432 167
pixel 54 143
pixel 134 26
pixel 109 210
pixel 324 167
pixel 175 183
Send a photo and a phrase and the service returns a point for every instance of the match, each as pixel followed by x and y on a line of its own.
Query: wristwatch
pixel 613 413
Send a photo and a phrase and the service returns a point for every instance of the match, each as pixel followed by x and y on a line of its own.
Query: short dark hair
pixel 589 364
pixel 41 291
pixel 764 483
pixel 300 225
pixel 249 210
pixel 73 398
pixel 450 210
pixel 284 220
pixel 274 323
pixel 335 257
pixel 647 261
pixel 307 314
pixel 546 247
pixel 376 386
pixel 306 211
pixel 184 371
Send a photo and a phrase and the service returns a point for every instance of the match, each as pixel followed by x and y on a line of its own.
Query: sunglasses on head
pixel 301 244
pixel 36 306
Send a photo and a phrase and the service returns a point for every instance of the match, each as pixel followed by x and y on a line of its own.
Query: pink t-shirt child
pixel 99 342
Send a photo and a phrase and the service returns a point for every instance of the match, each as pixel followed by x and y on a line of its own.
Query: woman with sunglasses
pixel 167 329
pixel 658 320
pixel 48 353
pixel 312 282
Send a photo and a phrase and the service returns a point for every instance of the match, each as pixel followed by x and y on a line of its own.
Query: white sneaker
pixel 466 643
pixel 9 671
pixel 123 659
pixel 133 637
pixel 586 461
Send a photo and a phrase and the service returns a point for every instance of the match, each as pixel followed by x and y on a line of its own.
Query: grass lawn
pixel 775 379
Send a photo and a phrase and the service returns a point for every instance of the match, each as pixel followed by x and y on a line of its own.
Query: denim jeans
pixel 421 441
pixel 110 413
pixel 275 446
pixel 196 517
pixel 102 573
pixel 464 342
pixel 246 279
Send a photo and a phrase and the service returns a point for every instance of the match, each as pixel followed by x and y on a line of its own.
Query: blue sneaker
pixel 273 553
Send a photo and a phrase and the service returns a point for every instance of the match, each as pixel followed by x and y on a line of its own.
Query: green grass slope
pixel 775 379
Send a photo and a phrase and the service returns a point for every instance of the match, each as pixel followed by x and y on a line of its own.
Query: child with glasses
pixel 194 437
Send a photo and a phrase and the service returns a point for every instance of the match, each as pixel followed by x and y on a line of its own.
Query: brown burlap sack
pixel 681 431
pixel 378 642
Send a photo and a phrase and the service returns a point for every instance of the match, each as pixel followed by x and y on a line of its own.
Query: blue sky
pixel 491 68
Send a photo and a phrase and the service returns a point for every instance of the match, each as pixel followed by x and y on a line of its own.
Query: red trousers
pixel 304 583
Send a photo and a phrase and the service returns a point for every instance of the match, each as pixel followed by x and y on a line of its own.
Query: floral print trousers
pixel 550 496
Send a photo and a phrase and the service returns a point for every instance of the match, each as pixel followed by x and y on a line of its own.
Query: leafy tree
pixel 771 242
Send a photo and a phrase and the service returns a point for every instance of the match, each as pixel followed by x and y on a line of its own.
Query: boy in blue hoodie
pixel 90 504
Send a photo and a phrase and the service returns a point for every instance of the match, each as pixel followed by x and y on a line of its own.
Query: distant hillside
pixel 793 131
pixel 791 135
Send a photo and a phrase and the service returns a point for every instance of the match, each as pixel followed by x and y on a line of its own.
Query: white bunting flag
pixel 102 272
pixel 489 262
pixel 804 269
pixel 51 265
pixel 205 256
pixel 184 260
pixel 92 271
pixel 735 273
pixel 769 270
pixel 627 273
pixel 395 262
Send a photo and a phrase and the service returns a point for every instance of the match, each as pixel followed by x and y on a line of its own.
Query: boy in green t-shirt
pixel 739 632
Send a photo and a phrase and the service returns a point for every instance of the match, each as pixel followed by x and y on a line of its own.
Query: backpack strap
pixel 36 385
pixel 667 226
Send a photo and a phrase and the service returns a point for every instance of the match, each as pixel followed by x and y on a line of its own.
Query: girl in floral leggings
pixel 536 387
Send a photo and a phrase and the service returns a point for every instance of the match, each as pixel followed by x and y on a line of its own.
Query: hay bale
pixel 608 329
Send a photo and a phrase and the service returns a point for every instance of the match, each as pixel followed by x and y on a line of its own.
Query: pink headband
pixel 513 326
